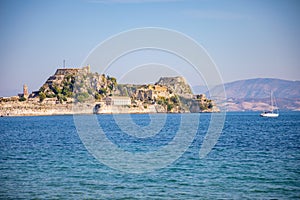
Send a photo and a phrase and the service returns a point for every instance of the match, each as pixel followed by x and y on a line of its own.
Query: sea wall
pixel 33 109
pixel 40 109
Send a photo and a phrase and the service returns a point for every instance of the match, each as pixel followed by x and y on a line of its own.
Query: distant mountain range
pixel 254 94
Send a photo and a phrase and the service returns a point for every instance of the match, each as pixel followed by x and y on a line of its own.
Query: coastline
pixel 40 109
pixel 78 91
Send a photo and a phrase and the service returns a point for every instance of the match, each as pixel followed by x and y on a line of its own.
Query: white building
pixel 118 101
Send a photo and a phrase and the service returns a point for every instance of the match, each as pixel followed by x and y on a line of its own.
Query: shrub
pixel 162 101
pixel 50 95
pixel 203 106
pixel 81 97
pixel 61 98
pixel 170 107
pixel 22 99
pixel 90 91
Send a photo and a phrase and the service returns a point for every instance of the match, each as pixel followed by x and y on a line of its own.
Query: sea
pixel 46 157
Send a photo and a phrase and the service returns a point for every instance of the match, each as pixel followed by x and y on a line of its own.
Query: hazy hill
pixel 254 94
pixel 261 88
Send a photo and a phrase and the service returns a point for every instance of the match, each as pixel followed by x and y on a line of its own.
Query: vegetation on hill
pixel 82 87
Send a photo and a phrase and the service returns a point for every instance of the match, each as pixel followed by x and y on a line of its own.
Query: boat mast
pixel 272 101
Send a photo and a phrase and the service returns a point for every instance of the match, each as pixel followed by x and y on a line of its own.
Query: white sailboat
pixel 271 113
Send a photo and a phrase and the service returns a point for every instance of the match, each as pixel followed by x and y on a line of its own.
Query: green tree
pixel 111 86
pixel 97 96
pixel 66 91
pixel 113 80
pixel 50 95
pixel 42 96
pixel 170 107
pixel 56 89
pixel 162 101
pixel 102 91
pixel 42 89
pixel 59 98
pixel 175 99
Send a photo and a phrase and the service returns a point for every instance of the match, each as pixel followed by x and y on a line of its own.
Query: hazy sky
pixel 246 39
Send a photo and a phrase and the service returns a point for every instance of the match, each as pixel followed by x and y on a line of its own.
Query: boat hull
pixel 269 114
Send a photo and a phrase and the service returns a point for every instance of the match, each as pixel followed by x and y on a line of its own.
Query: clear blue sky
pixel 246 39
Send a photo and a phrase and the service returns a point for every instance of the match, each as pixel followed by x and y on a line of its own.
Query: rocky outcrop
pixel 177 84
pixel 169 94
pixel 68 85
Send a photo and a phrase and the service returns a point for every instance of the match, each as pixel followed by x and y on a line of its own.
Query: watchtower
pixel 25 91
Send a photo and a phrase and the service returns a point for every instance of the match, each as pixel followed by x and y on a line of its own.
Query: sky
pixel 245 39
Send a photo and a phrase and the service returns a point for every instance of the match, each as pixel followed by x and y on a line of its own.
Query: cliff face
pixel 94 93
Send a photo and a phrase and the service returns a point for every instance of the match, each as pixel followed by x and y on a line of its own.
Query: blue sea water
pixel 254 158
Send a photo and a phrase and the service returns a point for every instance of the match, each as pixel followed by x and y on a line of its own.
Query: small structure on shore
pixel 25 93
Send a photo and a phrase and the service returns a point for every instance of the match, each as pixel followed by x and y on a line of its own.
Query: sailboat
pixel 271 113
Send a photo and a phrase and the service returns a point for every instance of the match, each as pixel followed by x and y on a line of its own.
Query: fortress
pixel 72 71
pixel 94 93
pixel 56 78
